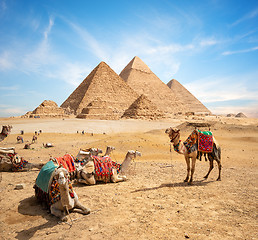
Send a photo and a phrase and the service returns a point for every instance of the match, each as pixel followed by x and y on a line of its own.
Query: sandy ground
pixel 154 203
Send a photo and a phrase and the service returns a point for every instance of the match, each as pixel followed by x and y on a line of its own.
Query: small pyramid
pixel 97 109
pixel 193 104
pixel 241 115
pixel 143 108
pixel 139 77
pixel 103 84
pixel 47 108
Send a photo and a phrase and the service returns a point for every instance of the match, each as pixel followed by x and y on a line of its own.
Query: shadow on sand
pixel 30 206
pixel 179 184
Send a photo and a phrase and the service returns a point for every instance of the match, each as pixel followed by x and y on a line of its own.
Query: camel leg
pixel 192 169
pixel 116 178
pixel 211 167
pixel 219 166
pixel 187 159
pixel 80 206
pixel 58 213
pixel 88 179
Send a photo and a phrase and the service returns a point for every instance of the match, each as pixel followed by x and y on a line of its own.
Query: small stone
pixel 186 235
pixel 19 186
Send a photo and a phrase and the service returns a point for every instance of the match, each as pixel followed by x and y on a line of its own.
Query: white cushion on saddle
pixel 7 150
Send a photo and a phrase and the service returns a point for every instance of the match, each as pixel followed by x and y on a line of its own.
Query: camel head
pixel 172 133
pixel 61 175
pixel 134 154
pixel 93 151
pixel 110 148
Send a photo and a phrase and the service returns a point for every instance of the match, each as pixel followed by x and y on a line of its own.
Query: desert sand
pixel 154 203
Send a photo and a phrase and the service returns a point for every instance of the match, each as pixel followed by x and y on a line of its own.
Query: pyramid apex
pixel 137 64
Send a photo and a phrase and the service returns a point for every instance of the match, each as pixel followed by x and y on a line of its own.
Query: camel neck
pixel 64 193
pixel 126 163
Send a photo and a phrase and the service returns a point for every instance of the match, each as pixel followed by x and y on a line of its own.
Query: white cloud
pixel 9 88
pixel 240 51
pixel 246 17
pixel 221 89
pixel 6 62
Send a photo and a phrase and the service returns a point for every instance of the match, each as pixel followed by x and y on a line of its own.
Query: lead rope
pixel 171 162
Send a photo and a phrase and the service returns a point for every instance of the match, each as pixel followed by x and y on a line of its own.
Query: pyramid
pixel 47 108
pixel 105 85
pixel 143 108
pixel 97 109
pixel 241 115
pixel 139 77
pixel 188 99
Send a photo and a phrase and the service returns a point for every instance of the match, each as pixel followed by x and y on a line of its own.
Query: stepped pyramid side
pixel 47 109
pixel 105 85
pixel 188 98
pixel 143 108
pixel 139 77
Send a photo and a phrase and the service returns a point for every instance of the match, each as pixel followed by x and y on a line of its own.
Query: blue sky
pixel 48 47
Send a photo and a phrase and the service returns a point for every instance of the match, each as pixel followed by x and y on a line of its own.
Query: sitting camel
pixel 10 161
pixel 5 131
pixel 59 193
pixel 192 152
pixel 108 151
pixel 19 139
pixel 104 169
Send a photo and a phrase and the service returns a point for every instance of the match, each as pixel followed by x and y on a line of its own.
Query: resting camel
pixel 104 169
pixel 5 131
pixel 180 147
pixel 108 151
pixel 10 161
pixel 19 139
pixel 60 194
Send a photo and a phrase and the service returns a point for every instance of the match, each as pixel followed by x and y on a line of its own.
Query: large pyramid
pixel 189 99
pixel 102 84
pixel 143 108
pixel 139 77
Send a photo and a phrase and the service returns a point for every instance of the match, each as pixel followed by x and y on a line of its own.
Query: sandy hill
pixel 139 77
pixel 188 98
pixel 47 108
pixel 143 108
pixel 105 85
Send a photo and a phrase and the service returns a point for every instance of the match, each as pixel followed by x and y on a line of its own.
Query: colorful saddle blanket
pixel 103 168
pixel 205 141
pixel 67 161
pixel 54 192
pixel 199 140
pixel 44 176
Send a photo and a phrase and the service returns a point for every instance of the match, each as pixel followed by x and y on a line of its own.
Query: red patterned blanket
pixel 67 161
pixel 103 168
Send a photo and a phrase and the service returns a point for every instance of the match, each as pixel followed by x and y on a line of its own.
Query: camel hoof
pixel 190 183
pixel 186 180
pixel 219 179
pixel 64 219
pixel 86 211
pixel 205 177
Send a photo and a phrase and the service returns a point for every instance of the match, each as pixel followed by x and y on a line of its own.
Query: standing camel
pixel 103 169
pixel 59 194
pixel 34 139
pixel 5 131
pixel 192 152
